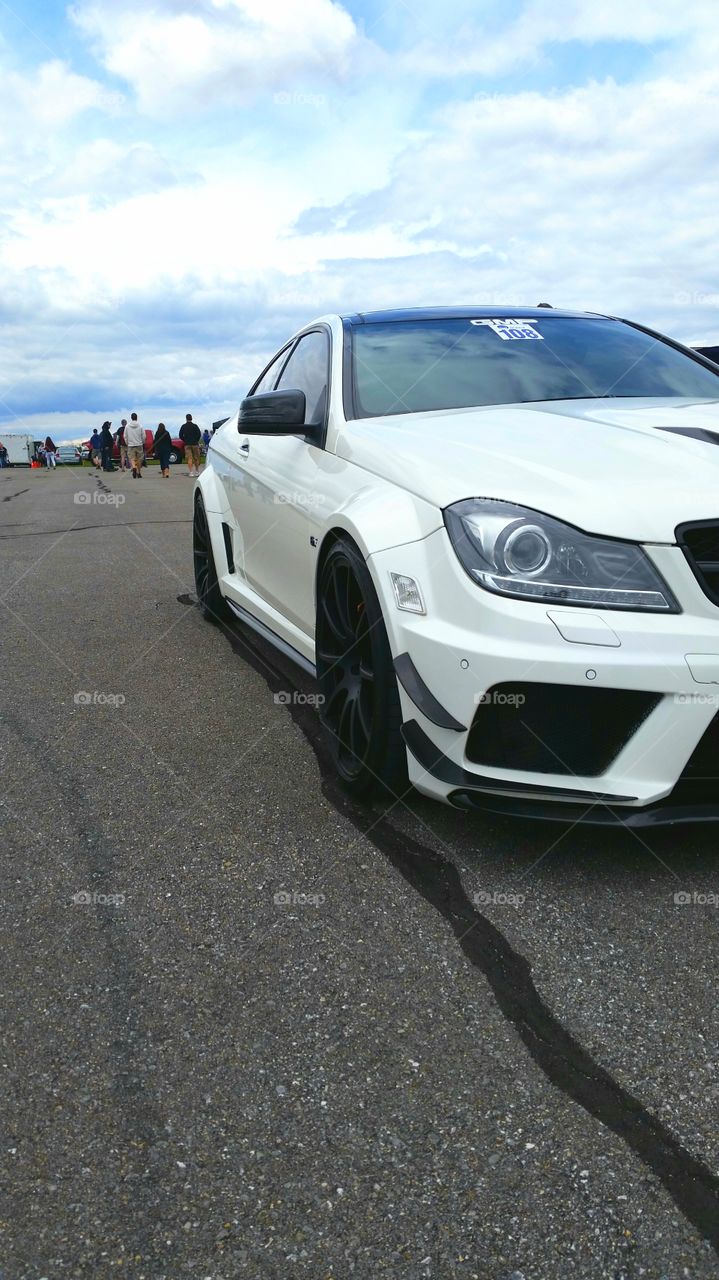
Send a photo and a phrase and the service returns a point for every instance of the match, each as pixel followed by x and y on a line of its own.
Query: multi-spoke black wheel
pixel 360 707
pixel 209 597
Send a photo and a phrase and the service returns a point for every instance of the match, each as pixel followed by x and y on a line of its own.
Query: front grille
pixel 699 541
pixel 555 728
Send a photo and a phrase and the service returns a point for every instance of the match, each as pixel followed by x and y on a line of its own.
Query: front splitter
pixel 592 814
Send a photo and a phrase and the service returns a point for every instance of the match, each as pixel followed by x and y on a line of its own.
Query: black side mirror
pixel 273 413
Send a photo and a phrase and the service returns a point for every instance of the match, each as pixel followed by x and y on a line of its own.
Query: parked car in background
pixel 177 454
pixel 70 454
pixel 711 353
pixel 492 536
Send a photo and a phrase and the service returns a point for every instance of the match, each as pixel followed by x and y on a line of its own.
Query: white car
pixel 493 535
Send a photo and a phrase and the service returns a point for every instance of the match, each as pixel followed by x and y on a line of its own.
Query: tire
pixel 210 599
pixel 360 708
pixel 174 456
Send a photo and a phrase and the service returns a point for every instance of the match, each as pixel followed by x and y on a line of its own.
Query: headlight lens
pixel 518 552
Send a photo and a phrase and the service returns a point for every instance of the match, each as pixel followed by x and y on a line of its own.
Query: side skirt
pixel 272 638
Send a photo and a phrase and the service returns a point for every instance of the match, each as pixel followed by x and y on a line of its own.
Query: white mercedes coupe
pixel 492 534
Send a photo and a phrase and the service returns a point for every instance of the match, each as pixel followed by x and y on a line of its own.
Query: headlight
pixel 518 552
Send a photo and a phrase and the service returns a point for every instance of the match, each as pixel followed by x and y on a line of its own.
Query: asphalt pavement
pixel 252 1030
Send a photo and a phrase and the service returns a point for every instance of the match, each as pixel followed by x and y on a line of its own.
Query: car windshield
pixel 412 366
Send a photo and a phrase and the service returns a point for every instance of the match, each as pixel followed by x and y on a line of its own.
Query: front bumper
pixel 653 697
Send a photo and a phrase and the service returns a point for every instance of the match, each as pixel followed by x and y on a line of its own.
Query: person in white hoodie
pixel 135 441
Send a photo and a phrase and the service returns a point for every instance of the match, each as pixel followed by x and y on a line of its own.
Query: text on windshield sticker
pixel 511 328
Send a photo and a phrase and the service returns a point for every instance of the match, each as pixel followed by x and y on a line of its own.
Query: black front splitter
pixel 593 814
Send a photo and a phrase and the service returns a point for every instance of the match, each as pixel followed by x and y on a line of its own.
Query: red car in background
pixel 177 454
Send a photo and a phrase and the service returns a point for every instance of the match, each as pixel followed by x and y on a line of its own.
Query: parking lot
pixel 253 1029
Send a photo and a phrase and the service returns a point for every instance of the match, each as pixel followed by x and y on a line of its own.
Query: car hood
pixel 623 468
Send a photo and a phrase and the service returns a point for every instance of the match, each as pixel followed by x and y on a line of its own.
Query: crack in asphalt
pixel 692 1185
pixel 80 528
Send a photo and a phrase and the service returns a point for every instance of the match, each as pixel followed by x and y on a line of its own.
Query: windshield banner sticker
pixel 512 328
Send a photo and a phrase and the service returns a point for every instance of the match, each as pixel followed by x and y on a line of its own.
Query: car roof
pixel 460 313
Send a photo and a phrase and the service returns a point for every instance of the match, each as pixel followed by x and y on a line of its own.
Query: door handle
pixel 245 448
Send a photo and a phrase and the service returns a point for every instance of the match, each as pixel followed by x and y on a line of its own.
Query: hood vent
pixel 697 433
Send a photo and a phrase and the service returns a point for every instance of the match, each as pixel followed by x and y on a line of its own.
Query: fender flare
pixel 374 523
pixel 378 517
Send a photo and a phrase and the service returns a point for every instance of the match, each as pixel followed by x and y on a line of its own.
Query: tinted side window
pixel 308 370
pixel 268 380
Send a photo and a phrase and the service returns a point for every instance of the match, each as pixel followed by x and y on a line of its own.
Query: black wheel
pixel 361 707
pixel 209 597
pixel 174 456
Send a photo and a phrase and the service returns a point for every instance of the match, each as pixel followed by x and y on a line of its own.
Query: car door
pixel 233 463
pixel 279 478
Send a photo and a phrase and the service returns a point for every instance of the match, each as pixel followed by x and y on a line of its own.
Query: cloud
pixel 181 57
pixel 188 344
pixel 223 230
pixel 39 152
pixel 180 296
pixel 602 196
pixel 56 94
pixel 161 259
pixel 49 98
pixel 491 47
pixel 107 172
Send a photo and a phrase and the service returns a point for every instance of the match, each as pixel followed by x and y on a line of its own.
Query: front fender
pixel 380 516
pixel 213 493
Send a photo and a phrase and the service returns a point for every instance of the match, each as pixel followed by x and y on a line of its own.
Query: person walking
pixel 124 457
pixel 162 448
pixel 3 456
pixel 206 437
pixel 50 451
pixel 190 436
pixel 107 443
pixel 135 439
pixel 96 449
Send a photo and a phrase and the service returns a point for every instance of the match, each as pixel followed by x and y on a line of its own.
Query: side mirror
pixel 272 413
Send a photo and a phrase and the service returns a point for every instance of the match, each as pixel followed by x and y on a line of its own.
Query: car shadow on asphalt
pixel 515 847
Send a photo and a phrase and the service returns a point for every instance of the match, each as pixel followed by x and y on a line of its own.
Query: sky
pixel 183 183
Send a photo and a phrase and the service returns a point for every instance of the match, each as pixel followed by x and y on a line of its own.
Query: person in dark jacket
pixel 162 447
pixel 107 444
pixel 190 436
pixel 96 448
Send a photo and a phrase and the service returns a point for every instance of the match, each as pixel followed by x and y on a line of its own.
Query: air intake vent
pixel 699 782
pixel 553 728
pixel 227 535
pixel 700 543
